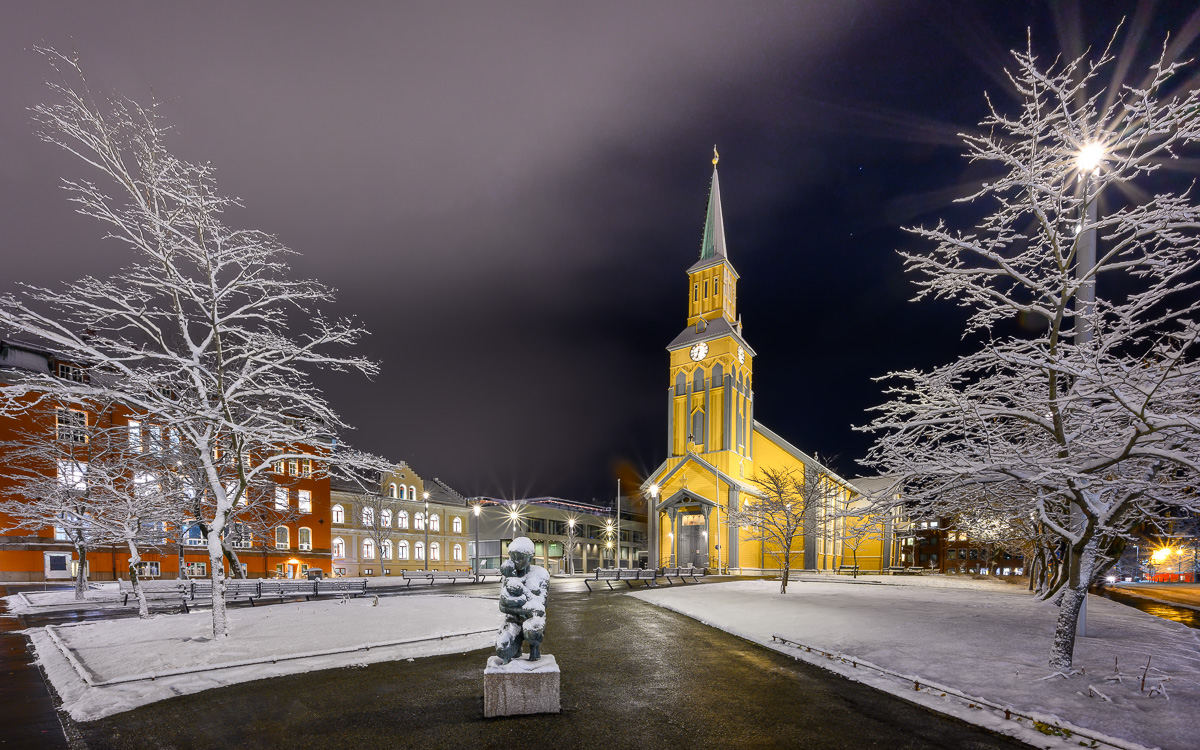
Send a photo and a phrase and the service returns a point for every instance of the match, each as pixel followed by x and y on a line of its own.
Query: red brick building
pixel 289 549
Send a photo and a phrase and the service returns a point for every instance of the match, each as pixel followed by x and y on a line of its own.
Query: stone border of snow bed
pixel 93 691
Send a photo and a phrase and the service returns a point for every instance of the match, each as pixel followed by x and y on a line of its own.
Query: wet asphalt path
pixel 28 718
pixel 633 675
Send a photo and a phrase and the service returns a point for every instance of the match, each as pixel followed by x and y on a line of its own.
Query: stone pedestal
pixel 520 687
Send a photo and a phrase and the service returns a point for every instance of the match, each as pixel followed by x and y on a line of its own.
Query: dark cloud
pixel 508 195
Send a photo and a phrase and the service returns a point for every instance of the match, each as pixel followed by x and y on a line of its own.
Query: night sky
pixel 507 195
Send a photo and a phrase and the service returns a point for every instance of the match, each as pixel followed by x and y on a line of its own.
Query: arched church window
pixel 718 375
pixel 695 293
pixel 680 384
pixel 698 380
pixel 698 427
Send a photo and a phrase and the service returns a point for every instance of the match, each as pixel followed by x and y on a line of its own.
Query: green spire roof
pixel 714 225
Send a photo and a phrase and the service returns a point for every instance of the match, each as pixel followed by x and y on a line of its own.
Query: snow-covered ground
pixel 988 641
pixel 102 668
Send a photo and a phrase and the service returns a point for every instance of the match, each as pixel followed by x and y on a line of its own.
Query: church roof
pixel 716 328
pixel 712 247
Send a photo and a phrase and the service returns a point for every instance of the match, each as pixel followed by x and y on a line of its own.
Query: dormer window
pixel 72 373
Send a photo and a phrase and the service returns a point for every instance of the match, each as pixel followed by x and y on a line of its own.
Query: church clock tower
pixel 710 402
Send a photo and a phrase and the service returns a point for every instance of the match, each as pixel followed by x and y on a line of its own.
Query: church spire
pixel 713 245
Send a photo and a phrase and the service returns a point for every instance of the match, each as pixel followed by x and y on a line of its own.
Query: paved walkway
pixel 633 676
pixel 28 718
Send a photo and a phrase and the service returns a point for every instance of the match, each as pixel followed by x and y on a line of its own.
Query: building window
pixel 196 569
pixel 385 517
pixel 392 492
pixel 72 373
pixel 368 549
pixel 280 467
pixel 339 547
pixel 281 537
pixel 385 549
pixel 403 493
pixel 306 467
pixel 195 537
pixel 238 536
pixel 368 571
pixel 135 435
pixel 706 289
pixel 293 467
pixel 435 522
pixel 339 571
pixel 412 492
pixel 402 520
pixel 305 501
pixel 368 516
pixel 72 425
pixel 72 473
pixel 148 569
pixel 339 514
pixel 695 293
pixel 456 524
pixel 457 552
pixel 419 550
pixel 305 539
pixel 435 551
pixel 402 550
pixel 419 521
pixel 281 498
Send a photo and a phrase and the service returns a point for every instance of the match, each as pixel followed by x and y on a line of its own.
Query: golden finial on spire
pixel 716 156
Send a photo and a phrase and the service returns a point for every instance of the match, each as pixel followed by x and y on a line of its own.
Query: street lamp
pixel 571 546
pixel 426 496
pixel 608 532
pixel 477 509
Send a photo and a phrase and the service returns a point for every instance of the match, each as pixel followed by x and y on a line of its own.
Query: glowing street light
pixel 1090 156
pixel 478 507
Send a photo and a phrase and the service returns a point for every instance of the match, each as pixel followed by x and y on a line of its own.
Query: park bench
pixel 680 574
pixel 152 590
pixel 483 573
pixel 282 588
pixel 339 587
pixel 434 576
pixel 628 575
pixel 847 570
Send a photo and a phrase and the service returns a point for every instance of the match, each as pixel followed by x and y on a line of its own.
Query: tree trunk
pixel 135 580
pixel 182 562
pixel 220 619
pixel 787 569
pixel 235 565
pixel 1082 571
pixel 855 571
pixel 81 574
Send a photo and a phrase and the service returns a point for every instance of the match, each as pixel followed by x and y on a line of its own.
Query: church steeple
pixel 713 245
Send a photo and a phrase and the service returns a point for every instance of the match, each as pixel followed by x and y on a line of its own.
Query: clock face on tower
pixel 699 351
pixel 741 355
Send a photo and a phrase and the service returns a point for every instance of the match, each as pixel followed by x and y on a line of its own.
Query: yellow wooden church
pixel 715 443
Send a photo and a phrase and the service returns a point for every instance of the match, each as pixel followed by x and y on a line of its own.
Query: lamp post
pixel 426 496
pixel 477 509
pixel 571 546
pixel 608 532
pixel 652 517
pixel 1088 162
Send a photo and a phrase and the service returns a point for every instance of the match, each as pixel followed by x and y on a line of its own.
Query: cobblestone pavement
pixel 633 676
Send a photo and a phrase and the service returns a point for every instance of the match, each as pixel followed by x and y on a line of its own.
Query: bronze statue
pixel 523 590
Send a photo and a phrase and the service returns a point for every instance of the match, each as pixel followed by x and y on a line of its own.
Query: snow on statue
pixel 523 601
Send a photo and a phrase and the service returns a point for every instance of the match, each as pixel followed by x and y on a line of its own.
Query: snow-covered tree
pixel 204 332
pixel 789 505
pixel 859 528
pixel 1090 425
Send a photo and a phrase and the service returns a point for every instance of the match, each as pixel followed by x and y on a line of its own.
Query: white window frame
pixel 196 569
pixel 419 521
pixel 419 551
pixel 304 500
pixel 302 545
pixel 457 525
pixel 435 551
pixel 70 425
pixel 385 518
pixel 457 551
pixel 338 513
pixel 339 547
pixel 287 537
pixel 149 569
pixel 435 522
pixel 368 549
pixel 385 550
pixel 402 519
pixel 282 501
pixel 368 517
pixel 402 550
